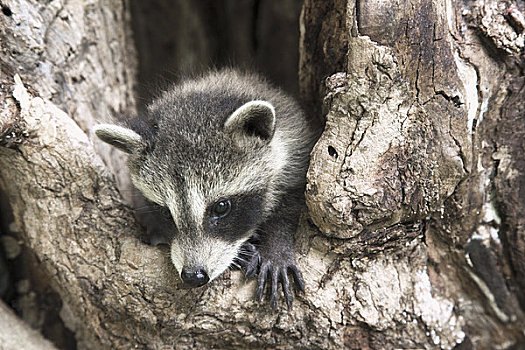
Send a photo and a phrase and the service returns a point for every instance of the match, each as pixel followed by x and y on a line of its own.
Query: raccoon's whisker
pixel 241 260
pixel 147 211
pixel 256 245
pixel 130 190
pixel 140 211
pixel 245 253
pixel 152 207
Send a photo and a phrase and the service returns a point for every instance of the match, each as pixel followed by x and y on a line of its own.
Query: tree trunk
pixel 414 234
pixel 410 183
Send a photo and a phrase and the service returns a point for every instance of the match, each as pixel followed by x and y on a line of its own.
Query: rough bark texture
pixel 415 188
pixel 422 153
pixel 77 54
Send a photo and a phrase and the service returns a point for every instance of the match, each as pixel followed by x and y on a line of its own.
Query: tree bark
pixel 414 235
pixel 408 176
pixel 78 55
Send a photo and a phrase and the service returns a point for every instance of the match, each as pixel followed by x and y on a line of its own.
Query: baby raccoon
pixel 226 154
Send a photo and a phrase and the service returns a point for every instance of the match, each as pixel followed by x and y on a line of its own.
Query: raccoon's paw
pixel 273 272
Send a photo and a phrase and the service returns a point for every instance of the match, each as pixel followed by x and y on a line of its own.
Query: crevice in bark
pixel 460 149
pixel 357 16
pixel 509 188
pixel 6 10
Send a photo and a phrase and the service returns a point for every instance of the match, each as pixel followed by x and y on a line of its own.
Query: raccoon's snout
pixel 194 277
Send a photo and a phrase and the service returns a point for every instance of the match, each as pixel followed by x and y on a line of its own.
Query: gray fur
pixel 223 135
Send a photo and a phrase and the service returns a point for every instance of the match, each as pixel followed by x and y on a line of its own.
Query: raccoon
pixel 225 155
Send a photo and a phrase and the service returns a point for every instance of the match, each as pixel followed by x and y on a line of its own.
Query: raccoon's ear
pixel 120 137
pixel 255 118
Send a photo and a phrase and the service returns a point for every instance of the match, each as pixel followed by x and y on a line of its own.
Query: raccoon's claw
pixel 274 274
pixel 251 267
pixel 271 271
pixel 298 277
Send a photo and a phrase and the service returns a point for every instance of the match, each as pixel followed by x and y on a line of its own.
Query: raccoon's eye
pixel 222 208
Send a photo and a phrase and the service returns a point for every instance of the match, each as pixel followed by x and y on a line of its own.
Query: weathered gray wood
pixel 421 149
pixel 79 55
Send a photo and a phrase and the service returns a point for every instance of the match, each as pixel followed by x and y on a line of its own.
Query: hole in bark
pixel 7 11
pixel 332 152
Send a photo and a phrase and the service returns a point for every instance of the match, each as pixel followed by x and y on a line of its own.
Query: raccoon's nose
pixel 194 277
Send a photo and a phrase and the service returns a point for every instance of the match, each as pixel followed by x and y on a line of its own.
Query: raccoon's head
pixel 214 174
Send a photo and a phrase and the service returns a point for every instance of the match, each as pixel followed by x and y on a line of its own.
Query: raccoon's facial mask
pixel 231 219
pixel 203 253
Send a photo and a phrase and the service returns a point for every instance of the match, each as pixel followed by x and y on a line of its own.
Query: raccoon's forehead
pixel 211 168
pixel 195 112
